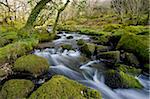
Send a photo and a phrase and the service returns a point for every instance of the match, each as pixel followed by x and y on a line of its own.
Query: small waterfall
pixel 70 64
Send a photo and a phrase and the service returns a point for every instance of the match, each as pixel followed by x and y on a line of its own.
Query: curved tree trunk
pixel 34 13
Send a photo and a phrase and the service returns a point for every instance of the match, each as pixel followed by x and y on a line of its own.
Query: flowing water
pixel 74 65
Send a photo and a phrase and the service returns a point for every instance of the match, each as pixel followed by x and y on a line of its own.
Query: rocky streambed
pixel 100 63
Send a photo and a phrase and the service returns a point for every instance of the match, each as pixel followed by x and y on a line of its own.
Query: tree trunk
pixel 58 15
pixel 34 14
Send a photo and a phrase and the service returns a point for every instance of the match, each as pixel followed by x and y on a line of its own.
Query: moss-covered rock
pixel 104 40
pixel 33 64
pixel 80 42
pixel 139 45
pixel 67 46
pixel 120 79
pixel 111 56
pixel 101 48
pixel 16 89
pixel 13 51
pixel 60 87
pixel 131 59
pixel 128 69
pixel 88 49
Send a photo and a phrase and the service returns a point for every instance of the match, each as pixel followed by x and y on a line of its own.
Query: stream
pixel 74 65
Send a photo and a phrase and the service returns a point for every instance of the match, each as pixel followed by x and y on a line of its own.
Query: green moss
pixel 113 56
pixel 101 48
pixel 104 40
pixel 2 73
pixel 67 46
pixel 31 64
pixel 128 69
pixel 120 79
pixel 16 89
pixel 14 50
pixel 139 45
pixel 134 29
pixel 80 42
pixel 111 27
pixel 60 87
pixel 131 59
pixel 88 49
pixel 146 69
pixel 7 37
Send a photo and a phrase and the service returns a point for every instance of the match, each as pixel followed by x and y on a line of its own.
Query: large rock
pixel 128 69
pixel 120 79
pixel 88 49
pixel 32 64
pixel 60 87
pixel 139 45
pixel 131 59
pixel 111 56
pixel 16 89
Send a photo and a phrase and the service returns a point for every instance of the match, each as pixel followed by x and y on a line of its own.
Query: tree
pixel 59 10
pixel 135 10
pixel 35 12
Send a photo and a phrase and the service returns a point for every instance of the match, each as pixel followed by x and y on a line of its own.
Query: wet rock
pixel 67 46
pixel 88 49
pixel 60 87
pixel 112 57
pixel 16 89
pixel 70 37
pixel 146 69
pixel 136 44
pixel 120 79
pixel 131 59
pixel 128 69
pixel 101 48
pixel 45 45
pixel 31 64
pixel 80 42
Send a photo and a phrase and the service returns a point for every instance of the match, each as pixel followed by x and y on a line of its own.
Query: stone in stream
pixel 128 69
pixel 67 46
pixel 146 69
pixel 111 57
pixel 70 37
pixel 16 89
pixel 131 59
pixel 115 79
pixel 31 64
pixel 60 87
pixel 88 49
pixel 136 44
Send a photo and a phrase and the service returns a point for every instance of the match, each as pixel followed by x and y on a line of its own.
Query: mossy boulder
pixel 80 42
pixel 101 48
pixel 88 49
pixel 16 89
pixel 120 79
pixel 67 46
pixel 112 56
pixel 32 64
pixel 104 40
pixel 131 59
pixel 12 51
pixel 128 69
pixel 60 87
pixel 136 44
